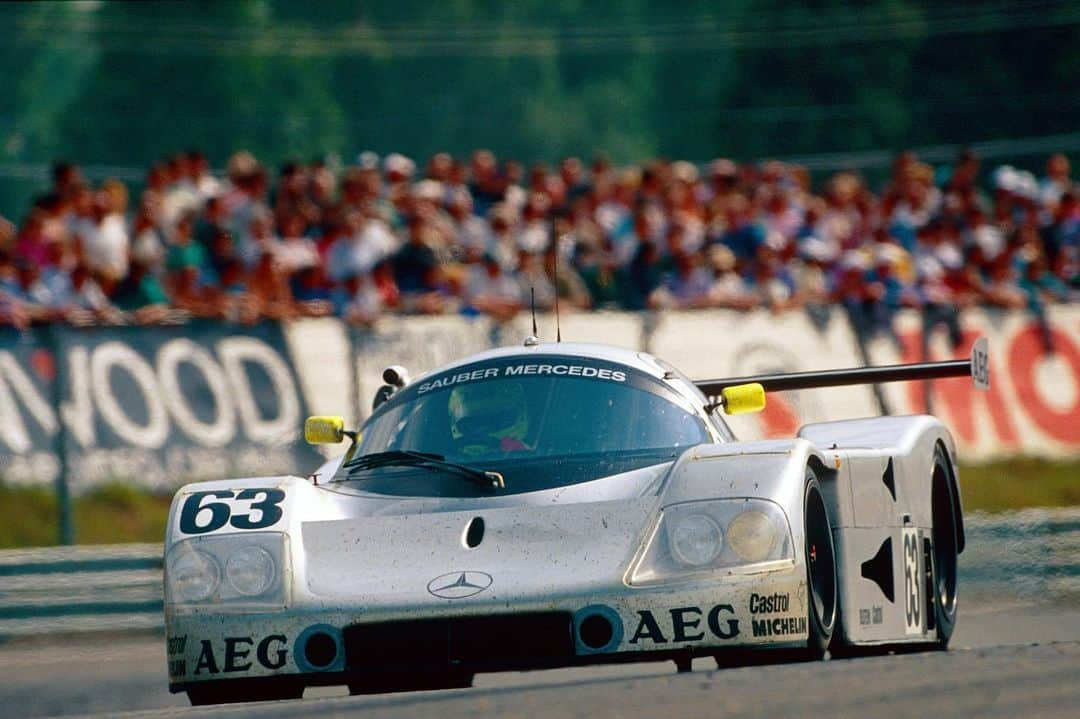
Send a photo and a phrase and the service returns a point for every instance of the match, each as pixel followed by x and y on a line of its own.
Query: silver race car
pixel 564 504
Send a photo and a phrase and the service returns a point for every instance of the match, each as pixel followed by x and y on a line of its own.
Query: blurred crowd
pixel 483 235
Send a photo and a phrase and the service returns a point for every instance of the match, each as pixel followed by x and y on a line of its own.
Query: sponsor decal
pixel 873 615
pixel 199 516
pixel 769 603
pixel 458 585
pixel 778 627
pixel 175 646
pixel 459 378
pixel 685 624
pixel 521 370
pixel 240 654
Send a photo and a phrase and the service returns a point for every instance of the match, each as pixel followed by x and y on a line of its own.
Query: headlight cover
pixel 194 576
pixel 246 571
pixel 250 570
pixel 692 539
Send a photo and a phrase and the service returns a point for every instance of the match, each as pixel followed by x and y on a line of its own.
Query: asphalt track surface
pixel 1006 660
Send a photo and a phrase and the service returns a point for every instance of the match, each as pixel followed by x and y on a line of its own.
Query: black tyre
pixel 239 690
pixel 410 682
pixel 941 590
pixel 820 569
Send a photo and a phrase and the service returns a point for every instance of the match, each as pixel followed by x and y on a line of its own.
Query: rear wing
pixel 977 367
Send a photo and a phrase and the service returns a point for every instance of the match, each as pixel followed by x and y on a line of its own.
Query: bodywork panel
pixel 884 471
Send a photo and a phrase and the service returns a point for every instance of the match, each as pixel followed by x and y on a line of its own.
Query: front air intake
pixel 507 641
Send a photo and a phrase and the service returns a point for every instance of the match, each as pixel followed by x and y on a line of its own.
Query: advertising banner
pixel 163 405
pixel 154 405
pixel 1033 404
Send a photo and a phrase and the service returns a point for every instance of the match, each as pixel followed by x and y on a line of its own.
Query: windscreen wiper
pixel 429 460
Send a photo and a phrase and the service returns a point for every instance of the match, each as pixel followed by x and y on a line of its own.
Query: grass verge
pixel 110 514
pixel 1018 483
pixel 121 513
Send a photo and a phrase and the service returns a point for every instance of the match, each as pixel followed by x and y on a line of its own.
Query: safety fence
pixel 1026 557
pixel 65 590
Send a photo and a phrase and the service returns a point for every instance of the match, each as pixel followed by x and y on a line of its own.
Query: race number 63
pixel 243 509
pixel 912 585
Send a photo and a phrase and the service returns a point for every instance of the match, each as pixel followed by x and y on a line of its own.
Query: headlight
pixel 752 536
pixel 695 539
pixel 195 576
pixel 692 539
pixel 248 570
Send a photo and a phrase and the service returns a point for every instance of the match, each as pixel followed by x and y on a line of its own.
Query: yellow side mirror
pixel 324 430
pixel 743 398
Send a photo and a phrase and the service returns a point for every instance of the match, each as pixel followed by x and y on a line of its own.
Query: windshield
pixel 540 421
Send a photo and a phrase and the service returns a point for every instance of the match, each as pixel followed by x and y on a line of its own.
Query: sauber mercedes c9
pixel 565 504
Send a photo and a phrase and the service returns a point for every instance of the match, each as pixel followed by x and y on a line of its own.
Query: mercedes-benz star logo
pixel 458 585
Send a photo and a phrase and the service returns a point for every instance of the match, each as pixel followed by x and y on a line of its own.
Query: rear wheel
pixel 240 690
pixel 941 590
pixel 820 569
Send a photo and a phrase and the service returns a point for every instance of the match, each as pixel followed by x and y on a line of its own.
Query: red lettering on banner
pixel 44 364
pixel 1024 356
pixel 779 418
pixel 958 396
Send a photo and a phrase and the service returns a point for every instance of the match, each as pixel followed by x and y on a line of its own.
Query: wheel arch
pixel 953 481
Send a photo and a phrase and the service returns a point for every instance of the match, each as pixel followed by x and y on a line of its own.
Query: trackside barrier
pixel 1026 557
pixel 161 406
pixel 67 590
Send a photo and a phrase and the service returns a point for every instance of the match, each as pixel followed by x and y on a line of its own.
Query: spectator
pixel 470 233
pixel 1041 288
pixel 534 282
pixel 358 300
pixel 269 287
pixel 659 235
pixel 491 291
pixel 368 240
pixel 141 294
pixel 728 289
pixel 417 271
pixel 291 202
pixel 213 219
pixel 566 280
pixel 200 177
pixel 1057 181
pixel 67 177
pixel 296 251
pixel 605 280
pixel 772 282
pixel 486 187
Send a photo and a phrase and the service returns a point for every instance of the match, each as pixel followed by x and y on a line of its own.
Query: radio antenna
pixel 532 306
pixel 558 331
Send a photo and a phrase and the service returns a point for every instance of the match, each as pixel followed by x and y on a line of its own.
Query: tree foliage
pixel 119 84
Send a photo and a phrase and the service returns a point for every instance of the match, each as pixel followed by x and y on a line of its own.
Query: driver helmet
pixel 486 415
